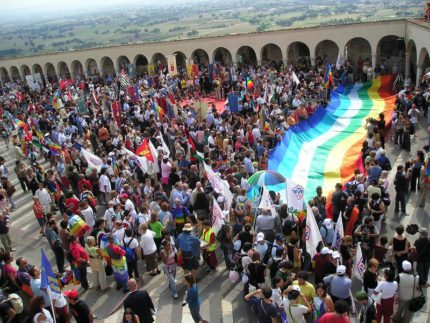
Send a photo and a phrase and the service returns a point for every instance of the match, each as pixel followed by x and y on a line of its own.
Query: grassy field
pixel 96 29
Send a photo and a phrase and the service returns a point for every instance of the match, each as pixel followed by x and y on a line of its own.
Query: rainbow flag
pixel 427 175
pixel 77 226
pixel 326 148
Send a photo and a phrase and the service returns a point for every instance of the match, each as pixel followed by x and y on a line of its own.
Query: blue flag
pixel 136 92
pixel 48 277
pixel 233 101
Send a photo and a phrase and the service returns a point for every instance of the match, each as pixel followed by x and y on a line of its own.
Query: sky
pixel 21 8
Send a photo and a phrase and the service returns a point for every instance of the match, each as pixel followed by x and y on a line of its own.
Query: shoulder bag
pixel 416 303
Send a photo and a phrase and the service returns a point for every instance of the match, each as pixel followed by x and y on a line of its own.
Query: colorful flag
pixel 312 233
pixel 295 195
pixel 338 233
pixel 65 83
pixel 325 148
pixel 54 149
pixel 136 93
pixel 217 216
pixel 125 81
pixel 95 98
pixel 266 201
pixel 92 160
pixel 142 163
pixel 359 265
pixel 328 76
pixel 145 151
pixel 48 279
pixel 427 175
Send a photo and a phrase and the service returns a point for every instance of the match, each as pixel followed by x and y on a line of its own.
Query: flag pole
pixel 48 290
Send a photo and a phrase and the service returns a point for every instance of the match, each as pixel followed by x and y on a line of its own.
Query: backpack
pixel 130 254
pixel 268 254
pixel 289 224
pixel 274 266
pixel 412 228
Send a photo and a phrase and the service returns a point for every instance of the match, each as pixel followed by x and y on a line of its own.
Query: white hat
pixel 220 199
pixel 335 255
pixel 260 236
pixel 406 265
pixel 341 270
pixel 326 251
pixel 328 223
pixel 296 287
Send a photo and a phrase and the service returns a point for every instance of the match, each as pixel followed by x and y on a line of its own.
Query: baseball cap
pixel 279 237
pixel 296 287
pixel 124 196
pixel 326 251
pixel 335 255
pixel 406 265
pixel 341 270
pixel 73 293
pixel 260 236
pixel 361 295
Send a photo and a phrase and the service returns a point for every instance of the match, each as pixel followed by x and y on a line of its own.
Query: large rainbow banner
pixel 326 148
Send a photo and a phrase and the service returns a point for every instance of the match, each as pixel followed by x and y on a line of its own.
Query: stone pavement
pixel 221 300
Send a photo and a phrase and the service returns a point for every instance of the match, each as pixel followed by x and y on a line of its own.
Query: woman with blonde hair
pixel 97 264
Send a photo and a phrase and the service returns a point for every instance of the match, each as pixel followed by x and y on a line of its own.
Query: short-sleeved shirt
pixel 307 289
pixel 156 227
pixel 388 289
pixel 294 311
pixel 265 311
pixel 333 318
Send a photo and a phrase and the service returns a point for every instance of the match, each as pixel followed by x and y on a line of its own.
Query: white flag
pixel 359 266
pixel 266 201
pixel 295 195
pixel 142 162
pixel 219 186
pixel 154 165
pixel 296 79
pixel 338 233
pixel 217 217
pixel 92 160
pixel 166 150
pixel 312 233
pixel 244 184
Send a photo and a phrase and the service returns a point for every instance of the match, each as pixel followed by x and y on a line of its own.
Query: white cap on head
pixel 260 236
pixel 326 251
pixel 328 223
pixel 335 255
pixel 341 270
pixel 406 265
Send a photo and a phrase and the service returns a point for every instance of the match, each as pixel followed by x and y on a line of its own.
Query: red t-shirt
pixel 333 318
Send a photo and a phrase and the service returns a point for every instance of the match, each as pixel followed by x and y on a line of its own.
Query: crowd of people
pixel 107 212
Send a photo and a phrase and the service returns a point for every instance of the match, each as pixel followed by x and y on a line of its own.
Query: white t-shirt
pixel 388 289
pixel 104 181
pixel 406 286
pixel 147 242
pixel 89 217
pixel 294 312
pixel 119 234
pixel 109 213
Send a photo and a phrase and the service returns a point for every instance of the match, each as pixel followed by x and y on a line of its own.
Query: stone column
pixel 313 62
pixel 419 74
pixel 373 65
pixel 407 65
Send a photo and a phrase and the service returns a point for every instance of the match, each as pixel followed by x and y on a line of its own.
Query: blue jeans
pixel 195 313
pixel 170 271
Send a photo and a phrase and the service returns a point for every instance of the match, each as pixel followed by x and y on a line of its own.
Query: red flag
pixel 19 97
pixel 145 151
pixel 172 98
pixel 117 113
pixel 65 83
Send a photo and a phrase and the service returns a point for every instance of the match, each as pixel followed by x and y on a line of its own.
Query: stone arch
pixel 271 53
pixel 77 69
pixel 326 51
pixel 14 73
pixel 91 67
pixel 25 70
pixel 390 51
pixel 37 69
pixel 4 74
pixel 357 48
pixel 122 63
pixel 223 56
pixel 141 63
pixel 200 56
pixel 107 67
pixel 159 58
pixel 50 72
pixel 424 61
pixel 181 61
pixel 411 50
pixel 63 70
pixel 298 54
pixel 246 55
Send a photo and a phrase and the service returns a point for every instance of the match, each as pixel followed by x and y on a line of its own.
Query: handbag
pixel 416 303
